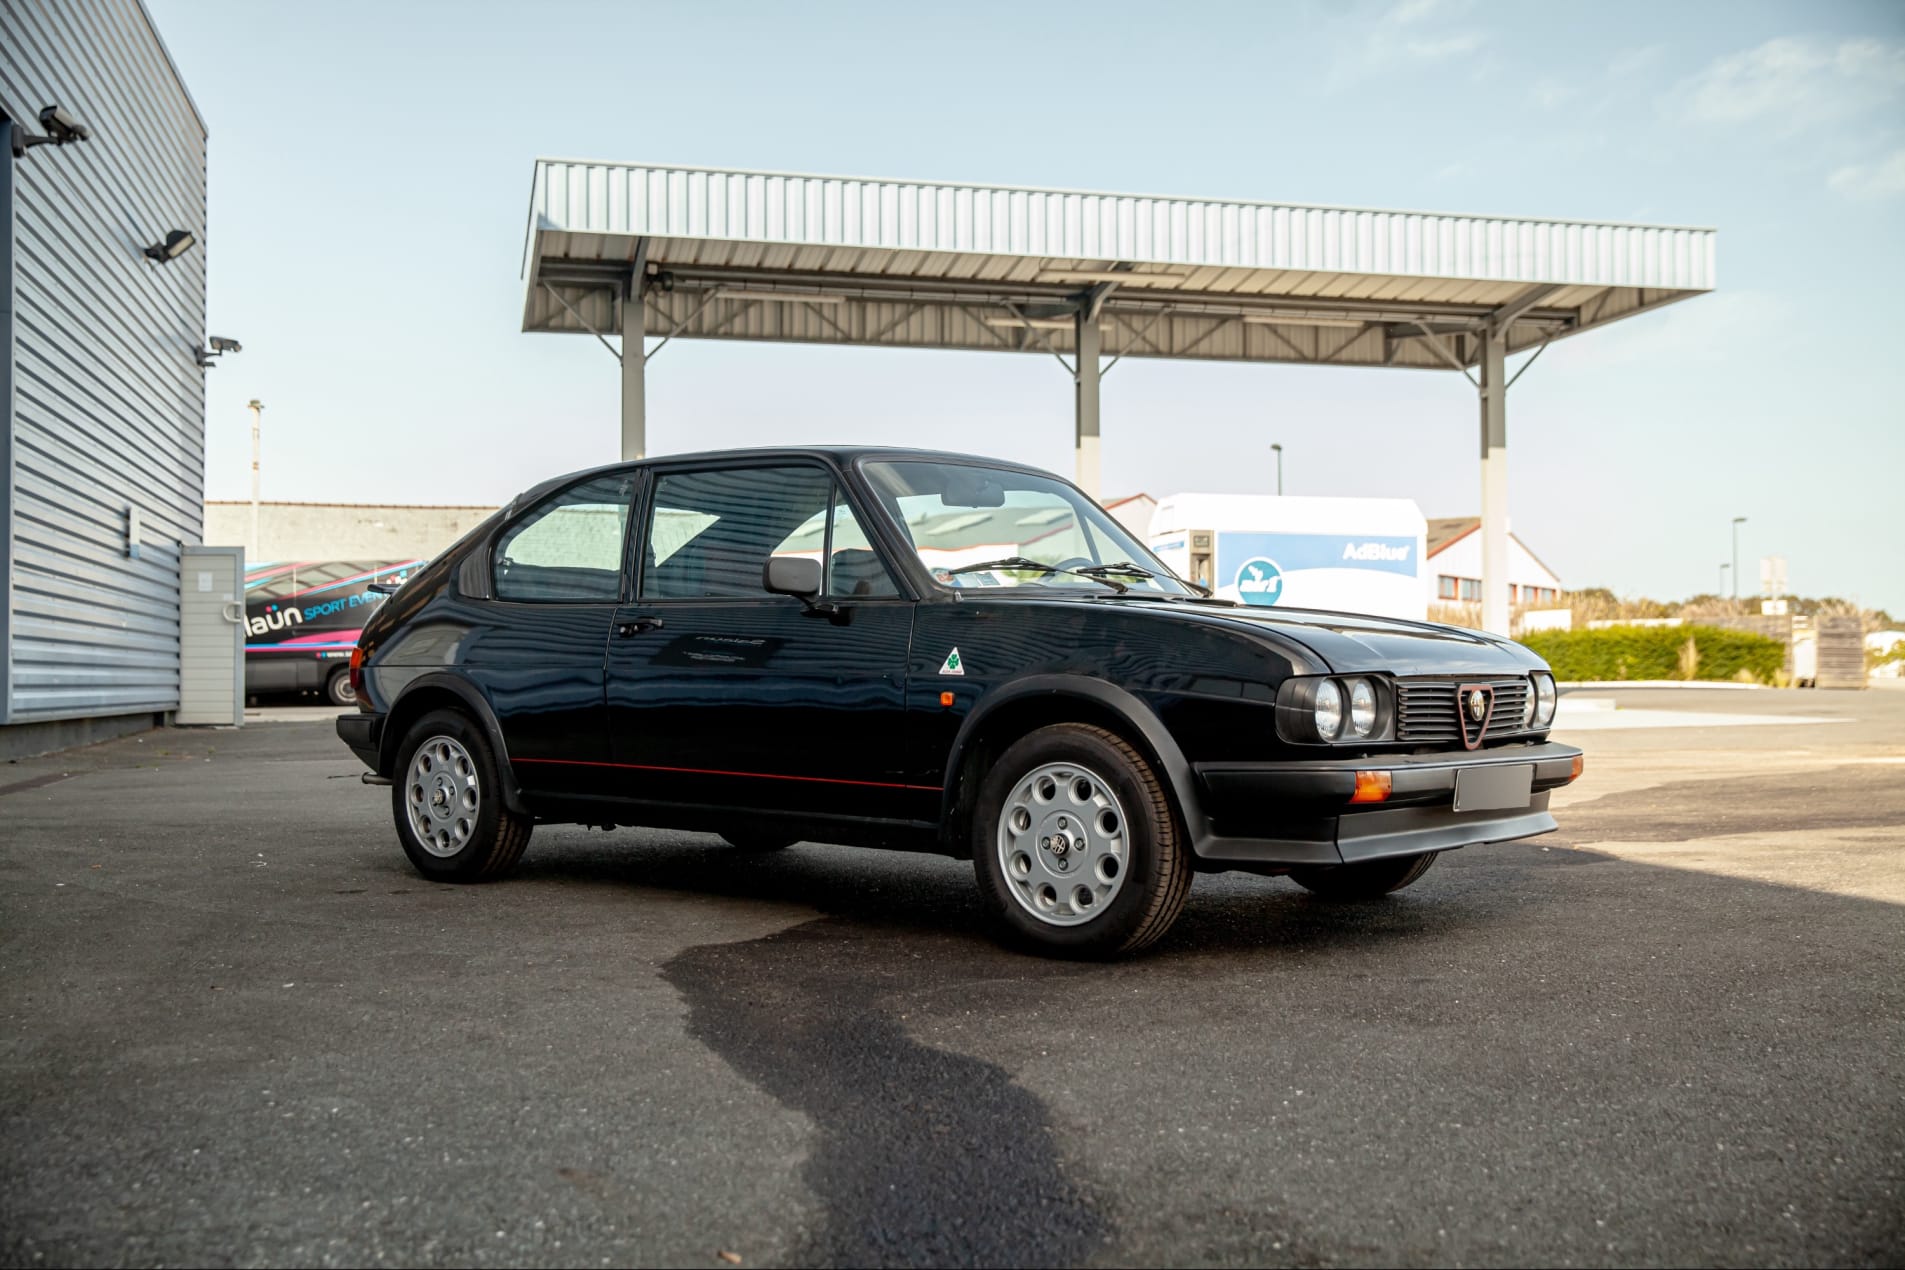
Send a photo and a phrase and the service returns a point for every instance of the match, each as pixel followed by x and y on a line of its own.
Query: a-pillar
pixel 634 390
pixel 1495 608
pixel 1086 377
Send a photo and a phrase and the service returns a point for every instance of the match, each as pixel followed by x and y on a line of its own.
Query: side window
pixel 569 549
pixel 710 533
pixel 853 567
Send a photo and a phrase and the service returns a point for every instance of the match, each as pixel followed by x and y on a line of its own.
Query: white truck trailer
pixel 1351 555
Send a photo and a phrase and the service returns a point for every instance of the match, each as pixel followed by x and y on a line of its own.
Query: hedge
pixel 1658 652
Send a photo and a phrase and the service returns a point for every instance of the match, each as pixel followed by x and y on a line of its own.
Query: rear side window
pixel 569 549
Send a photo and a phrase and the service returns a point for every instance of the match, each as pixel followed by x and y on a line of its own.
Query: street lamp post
pixel 1737 522
pixel 1278 448
pixel 257 409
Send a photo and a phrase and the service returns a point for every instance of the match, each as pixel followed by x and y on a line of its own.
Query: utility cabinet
pixel 211 636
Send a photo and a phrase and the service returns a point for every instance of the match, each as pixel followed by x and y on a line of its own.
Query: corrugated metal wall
pixel 108 403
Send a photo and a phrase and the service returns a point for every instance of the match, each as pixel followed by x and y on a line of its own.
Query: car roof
pixel 841 454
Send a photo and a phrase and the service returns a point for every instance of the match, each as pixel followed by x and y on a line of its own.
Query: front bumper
pixel 364 734
pixel 1299 813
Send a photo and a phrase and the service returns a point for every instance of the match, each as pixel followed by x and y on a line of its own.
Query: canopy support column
pixel 1494 395
pixel 1085 375
pixel 634 386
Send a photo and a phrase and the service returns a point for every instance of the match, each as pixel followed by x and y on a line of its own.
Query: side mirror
pixel 791 575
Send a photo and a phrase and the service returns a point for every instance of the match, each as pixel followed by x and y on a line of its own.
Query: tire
pixel 338 690
pixel 457 768
pixel 1367 881
pixel 756 842
pixel 1127 819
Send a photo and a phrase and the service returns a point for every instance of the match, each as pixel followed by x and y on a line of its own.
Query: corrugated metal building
pixel 102 453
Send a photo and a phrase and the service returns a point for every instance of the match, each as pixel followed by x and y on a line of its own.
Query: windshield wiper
pixel 1125 569
pixel 1024 564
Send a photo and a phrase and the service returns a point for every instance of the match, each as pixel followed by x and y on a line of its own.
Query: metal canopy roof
pixel 846 260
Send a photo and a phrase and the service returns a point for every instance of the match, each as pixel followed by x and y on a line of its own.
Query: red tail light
pixel 357 672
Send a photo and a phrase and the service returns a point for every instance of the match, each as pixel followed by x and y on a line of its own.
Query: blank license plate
pixel 1493 788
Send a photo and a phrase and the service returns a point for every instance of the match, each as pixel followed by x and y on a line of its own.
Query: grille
pixel 1429 713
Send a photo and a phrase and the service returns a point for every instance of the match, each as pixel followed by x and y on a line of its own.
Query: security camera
pixel 62 127
pixel 220 347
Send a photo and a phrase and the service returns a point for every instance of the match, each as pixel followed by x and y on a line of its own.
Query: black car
pixel 928 652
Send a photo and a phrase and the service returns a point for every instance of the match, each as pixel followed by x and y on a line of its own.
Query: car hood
pixel 1354 642
pixel 1348 643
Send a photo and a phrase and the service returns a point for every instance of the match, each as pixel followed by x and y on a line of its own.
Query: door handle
pixel 637 626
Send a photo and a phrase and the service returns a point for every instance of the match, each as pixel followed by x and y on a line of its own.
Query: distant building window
pixel 1445 587
pixel 1471 588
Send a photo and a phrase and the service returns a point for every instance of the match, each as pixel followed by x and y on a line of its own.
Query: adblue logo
pixel 1374 551
pixel 1260 581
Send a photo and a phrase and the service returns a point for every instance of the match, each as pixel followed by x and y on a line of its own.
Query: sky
pixel 369 187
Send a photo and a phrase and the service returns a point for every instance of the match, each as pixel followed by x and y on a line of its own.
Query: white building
pixel 340 531
pixel 1453 569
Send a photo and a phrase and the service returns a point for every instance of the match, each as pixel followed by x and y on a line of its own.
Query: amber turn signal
pixel 1371 787
pixel 1579 766
pixel 945 698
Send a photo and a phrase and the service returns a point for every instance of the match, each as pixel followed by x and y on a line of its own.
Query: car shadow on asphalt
pixel 875 892
pixel 923 1155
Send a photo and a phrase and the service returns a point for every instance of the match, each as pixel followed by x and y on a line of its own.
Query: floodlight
pixel 177 243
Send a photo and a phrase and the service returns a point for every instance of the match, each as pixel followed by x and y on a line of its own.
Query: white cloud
pixel 1881 179
pixel 1791 84
pixel 1420 32
pixel 1635 60
pixel 1551 94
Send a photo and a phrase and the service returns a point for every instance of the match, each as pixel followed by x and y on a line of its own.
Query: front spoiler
pixel 1276 815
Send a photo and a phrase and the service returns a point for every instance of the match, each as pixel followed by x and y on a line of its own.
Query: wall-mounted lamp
pixel 220 347
pixel 176 244
pixel 61 129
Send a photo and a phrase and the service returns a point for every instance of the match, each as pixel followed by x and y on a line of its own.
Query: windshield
pixel 977 527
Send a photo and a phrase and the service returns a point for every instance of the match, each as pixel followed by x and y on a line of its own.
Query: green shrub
pixel 1660 652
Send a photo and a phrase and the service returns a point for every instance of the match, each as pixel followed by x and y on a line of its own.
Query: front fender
pixel 1140 723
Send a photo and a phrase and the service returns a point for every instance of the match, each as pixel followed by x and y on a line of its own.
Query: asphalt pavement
pixel 239 1030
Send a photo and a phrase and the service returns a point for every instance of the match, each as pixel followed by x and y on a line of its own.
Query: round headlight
pixel 1545 698
pixel 1329 710
pixel 1528 708
pixel 1362 707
